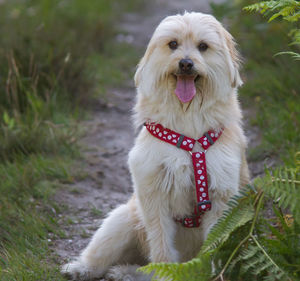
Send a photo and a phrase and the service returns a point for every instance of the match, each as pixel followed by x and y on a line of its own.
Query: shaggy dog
pixel 187 82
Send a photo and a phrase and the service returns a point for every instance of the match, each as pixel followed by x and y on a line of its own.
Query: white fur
pixel 144 229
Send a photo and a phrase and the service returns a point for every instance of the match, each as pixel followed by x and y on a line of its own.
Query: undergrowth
pixel 52 54
pixel 288 10
pixel 27 218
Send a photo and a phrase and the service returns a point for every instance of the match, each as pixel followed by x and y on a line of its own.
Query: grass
pixel 115 65
pixel 27 218
pixel 271 84
pixel 54 58
pixel 95 211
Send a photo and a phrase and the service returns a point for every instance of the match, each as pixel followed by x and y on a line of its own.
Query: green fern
pixel 288 10
pixel 294 55
pixel 257 261
pixel 240 212
pixel 194 270
pixel 284 187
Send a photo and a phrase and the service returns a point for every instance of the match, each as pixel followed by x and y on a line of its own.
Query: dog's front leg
pixel 153 184
pixel 160 226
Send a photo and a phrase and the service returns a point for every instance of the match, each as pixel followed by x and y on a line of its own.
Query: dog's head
pixel 191 57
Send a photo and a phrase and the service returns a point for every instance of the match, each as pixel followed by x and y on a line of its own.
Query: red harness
pixel 199 164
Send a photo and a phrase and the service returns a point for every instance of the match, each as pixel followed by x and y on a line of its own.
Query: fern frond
pixel 294 55
pixel 293 17
pixel 239 213
pixel 194 270
pixel 288 9
pixel 286 12
pixel 284 187
pixel 256 260
pixel 295 34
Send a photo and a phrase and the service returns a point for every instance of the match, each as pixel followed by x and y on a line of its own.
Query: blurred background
pixel 61 60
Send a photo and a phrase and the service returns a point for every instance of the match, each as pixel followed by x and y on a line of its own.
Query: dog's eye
pixel 202 47
pixel 173 45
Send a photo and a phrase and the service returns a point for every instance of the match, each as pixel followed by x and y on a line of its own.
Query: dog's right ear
pixel 234 60
pixel 142 64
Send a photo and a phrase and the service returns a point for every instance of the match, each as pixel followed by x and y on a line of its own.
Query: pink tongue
pixel 185 88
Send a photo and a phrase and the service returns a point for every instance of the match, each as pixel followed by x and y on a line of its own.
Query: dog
pixel 186 100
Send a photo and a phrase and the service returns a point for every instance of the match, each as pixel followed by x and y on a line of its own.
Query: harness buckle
pixel 180 140
pixel 206 202
pixel 193 218
pixel 210 140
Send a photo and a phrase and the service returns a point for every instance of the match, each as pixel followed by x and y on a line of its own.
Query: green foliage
pixel 31 136
pixel 47 74
pixel 288 10
pixel 47 71
pixel 115 65
pixel 283 186
pixel 45 45
pixel 252 247
pixel 25 223
pixel 237 215
pixel 194 270
pixel 255 259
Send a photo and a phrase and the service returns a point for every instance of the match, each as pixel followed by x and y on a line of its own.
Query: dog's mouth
pixel 185 86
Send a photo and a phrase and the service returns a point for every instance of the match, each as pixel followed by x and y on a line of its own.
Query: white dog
pixel 186 86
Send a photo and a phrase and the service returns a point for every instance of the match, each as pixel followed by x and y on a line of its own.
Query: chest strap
pixel 199 164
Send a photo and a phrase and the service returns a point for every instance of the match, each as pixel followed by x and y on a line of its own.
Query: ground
pixel 109 137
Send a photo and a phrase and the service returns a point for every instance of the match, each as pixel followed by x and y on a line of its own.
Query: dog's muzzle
pixel 185 80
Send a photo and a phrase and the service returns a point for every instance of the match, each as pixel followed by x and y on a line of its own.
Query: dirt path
pixel 109 137
pixel 106 183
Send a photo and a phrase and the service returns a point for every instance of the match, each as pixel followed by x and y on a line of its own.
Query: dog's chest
pixel 160 167
pixel 221 176
pixel 180 179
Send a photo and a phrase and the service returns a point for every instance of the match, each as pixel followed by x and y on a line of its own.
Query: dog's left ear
pixel 233 60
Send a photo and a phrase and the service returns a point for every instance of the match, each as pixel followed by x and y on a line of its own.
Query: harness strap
pixel 199 164
pixel 169 136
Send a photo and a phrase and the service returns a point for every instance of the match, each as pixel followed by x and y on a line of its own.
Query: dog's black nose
pixel 186 64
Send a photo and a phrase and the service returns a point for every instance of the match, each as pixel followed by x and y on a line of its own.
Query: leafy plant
pixel 288 10
pixel 247 243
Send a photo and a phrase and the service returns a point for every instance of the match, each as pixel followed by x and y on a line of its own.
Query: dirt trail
pixel 108 140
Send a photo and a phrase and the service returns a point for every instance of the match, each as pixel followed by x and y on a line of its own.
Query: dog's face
pixel 190 55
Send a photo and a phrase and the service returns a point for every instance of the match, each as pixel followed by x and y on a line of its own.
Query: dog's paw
pixel 127 273
pixel 76 270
